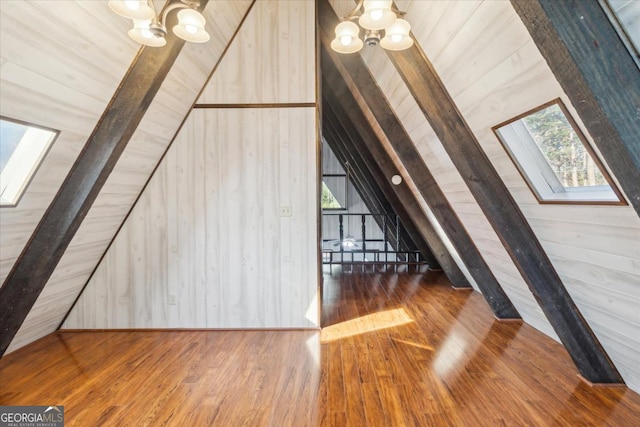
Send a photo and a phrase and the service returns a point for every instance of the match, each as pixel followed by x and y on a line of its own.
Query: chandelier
pixel 149 28
pixel 377 18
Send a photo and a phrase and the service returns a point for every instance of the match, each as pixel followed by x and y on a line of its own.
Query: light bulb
pixel 397 36
pixel 132 9
pixel 141 33
pixel 132 4
pixel 191 26
pixel 346 40
pixel 377 15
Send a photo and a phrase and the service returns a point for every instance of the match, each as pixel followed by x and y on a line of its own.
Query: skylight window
pixel 22 148
pixel 555 159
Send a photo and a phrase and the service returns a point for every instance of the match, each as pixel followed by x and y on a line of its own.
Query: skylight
pixel 554 157
pixel 22 148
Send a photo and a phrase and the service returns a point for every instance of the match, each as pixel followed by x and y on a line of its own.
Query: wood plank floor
pixel 397 349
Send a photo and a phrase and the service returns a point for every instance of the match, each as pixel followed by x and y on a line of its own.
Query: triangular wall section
pixel 271 60
pixel 225 233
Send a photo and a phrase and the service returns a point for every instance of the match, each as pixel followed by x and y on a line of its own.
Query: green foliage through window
pixel 328 199
pixel 563 149
pixel 554 158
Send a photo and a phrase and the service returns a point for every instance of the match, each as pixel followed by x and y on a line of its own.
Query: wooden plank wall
pixel 353 224
pixel 207 228
pixel 494 72
pixel 47 80
pixel 266 65
pixel 331 165
pixel 62 74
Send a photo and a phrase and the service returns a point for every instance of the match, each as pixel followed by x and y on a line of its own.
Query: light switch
pixel 285 210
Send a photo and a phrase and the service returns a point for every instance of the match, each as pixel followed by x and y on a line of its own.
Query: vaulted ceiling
pixel 426 113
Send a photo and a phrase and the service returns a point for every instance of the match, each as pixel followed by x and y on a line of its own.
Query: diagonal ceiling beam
pixel 345 153
pixel 359 173
pixel 376 176
pixel 360 177
pixel 504 215
pixel 372 186
pixel 350 69
pixel 82 185
pixel 599 76
pixel 357 127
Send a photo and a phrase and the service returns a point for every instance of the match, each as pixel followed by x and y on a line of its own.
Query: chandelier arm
pixel 397 11
pixel 155 14
pixel 354 13
pixel 174 6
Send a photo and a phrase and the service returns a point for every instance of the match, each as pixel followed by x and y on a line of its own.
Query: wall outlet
pixel 285 210
pixel 173 299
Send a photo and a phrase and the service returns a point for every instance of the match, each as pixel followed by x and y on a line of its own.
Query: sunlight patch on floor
pixel 364 324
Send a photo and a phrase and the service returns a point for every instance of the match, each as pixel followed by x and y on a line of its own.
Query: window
pixel 555 159
pixel 334 191
pixel 329 201
pixel 22 148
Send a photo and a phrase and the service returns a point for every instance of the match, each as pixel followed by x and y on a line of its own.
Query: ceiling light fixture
pixel 376 17
pixel 150 29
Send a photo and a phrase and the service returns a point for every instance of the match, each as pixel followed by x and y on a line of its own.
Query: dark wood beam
pixel 504 215
pixel 82 185
pixel 356 127
pixel 372 197
pixel 598 74
pixel 360 176
pixel 350 69
pixel 365 184
pixel 374 176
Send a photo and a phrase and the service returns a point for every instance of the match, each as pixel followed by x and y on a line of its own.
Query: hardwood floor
pixel 397 349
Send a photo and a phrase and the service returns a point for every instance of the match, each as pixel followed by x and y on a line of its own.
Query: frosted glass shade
pixel 132 9
pixel 377 15
pixel 347 38
pixel 191 26
pixel 397 37
pixel 140 33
